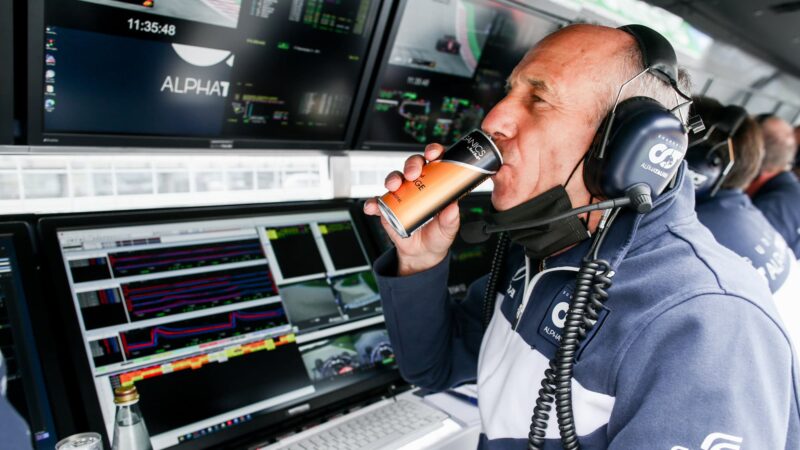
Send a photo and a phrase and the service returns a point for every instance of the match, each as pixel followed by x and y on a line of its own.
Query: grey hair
pixel 647 85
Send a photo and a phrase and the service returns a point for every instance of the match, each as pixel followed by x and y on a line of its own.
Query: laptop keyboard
pixel 394 423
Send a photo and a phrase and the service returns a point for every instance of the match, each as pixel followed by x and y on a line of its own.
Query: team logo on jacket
pixel 556 317
pixel 717 441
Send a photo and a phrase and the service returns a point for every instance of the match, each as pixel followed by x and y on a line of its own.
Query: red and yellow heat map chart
pixel 196 362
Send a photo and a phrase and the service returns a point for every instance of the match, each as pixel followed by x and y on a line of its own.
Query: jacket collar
pixel 631 230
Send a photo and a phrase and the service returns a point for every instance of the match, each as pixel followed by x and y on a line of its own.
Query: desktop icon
pixel 50 60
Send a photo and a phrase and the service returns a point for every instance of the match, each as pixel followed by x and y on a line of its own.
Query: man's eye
pixel 536 99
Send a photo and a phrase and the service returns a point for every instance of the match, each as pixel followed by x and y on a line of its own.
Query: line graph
pixel 142 262
pixel 187 333
pixel 169 296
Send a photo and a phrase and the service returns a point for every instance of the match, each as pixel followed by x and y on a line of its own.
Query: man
pixel 776 190
pixel 687 351
pixel 731 216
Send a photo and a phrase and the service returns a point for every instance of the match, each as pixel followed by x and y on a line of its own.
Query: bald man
pixel 687 352
pixel 776 190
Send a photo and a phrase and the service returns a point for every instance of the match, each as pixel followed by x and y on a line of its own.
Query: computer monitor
pixel 445 67
pixel 225 320
pixel 468 262
pixel 211 73
pixel 26 388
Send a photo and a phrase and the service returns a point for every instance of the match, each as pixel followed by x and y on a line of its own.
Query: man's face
pixel 547 120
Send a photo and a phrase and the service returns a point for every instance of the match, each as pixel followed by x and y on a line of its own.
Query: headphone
pixel 710 157
pixel 640 143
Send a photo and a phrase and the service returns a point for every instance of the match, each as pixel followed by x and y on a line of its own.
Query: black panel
pixel 220 387
pixel 27 387
pixel 6 73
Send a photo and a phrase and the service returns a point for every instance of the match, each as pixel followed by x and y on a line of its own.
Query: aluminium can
pixel 462 167
pixel 82 441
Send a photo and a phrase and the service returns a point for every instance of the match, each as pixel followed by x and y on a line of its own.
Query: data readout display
pixel 199 315
pixel 216 69
pixel 445 69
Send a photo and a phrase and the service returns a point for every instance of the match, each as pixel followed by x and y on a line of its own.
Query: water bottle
pixel 130 432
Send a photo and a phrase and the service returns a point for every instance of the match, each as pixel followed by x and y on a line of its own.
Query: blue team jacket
pixel 741 227
pixel 779 200
pixel 14 433
pixel 689 352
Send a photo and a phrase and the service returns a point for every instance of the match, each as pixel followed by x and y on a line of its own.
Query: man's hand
pixel 430 244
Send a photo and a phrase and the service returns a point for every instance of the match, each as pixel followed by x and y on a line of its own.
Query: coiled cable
pixel 591 284
pixel 495 273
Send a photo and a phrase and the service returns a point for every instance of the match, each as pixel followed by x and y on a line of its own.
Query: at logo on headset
pixel 664 156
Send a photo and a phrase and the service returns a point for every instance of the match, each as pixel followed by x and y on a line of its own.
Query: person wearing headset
pixel 722 164
pixel 686 351
pixel 776 190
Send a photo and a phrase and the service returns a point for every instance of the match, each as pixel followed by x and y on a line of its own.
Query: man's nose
pixel 501 123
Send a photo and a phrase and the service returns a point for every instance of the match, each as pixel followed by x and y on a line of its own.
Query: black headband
pixel 657 53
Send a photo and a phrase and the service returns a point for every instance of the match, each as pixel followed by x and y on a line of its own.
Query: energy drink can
pixel 82 441
pixel 462 167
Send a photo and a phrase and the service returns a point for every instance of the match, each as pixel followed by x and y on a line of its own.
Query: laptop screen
pixel 220 320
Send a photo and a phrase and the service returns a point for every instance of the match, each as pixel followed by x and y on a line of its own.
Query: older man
pixel 776 190
pixel 687 351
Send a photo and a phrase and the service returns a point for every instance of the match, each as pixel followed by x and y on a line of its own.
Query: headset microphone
pixel 637 197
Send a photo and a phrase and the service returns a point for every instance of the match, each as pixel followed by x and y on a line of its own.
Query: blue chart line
pixel 193 331
pixel 175 258
pixel 193 292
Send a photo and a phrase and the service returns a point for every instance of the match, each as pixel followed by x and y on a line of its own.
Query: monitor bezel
pixel 42 141
pixel 41 362
pixel 383 65
pixel 49 226
pixel 7 73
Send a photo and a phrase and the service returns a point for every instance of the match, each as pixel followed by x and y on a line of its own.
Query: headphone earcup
pixel 645 144
pixel 592 163
pixel 705 168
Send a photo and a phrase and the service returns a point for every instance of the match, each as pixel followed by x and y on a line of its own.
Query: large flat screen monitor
pixel 210 73
pixel 224 324
pixel 445 67
pixel 26 384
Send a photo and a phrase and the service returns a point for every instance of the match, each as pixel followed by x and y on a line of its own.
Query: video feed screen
pixel 222 72
pixel 328 360
pixel 215 306
pixel 446 69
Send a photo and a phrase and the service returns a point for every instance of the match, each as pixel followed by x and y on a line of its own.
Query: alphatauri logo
pixel 717 441
pixel 664 156
pixel 559 315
